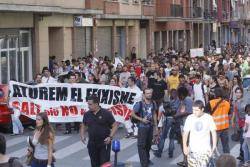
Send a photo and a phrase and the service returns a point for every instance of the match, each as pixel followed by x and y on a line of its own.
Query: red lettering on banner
pixel 65 111
pixel 112 109
pixel 124 109
pixel 56 112
pixel 119 110
pixel 73 110
pixel 16 104
pixel 32 111
pixel 25 108
pixel 38 108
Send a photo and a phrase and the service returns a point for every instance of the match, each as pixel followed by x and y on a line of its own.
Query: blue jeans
pixel 245 148
pixel 36 164
pixel 167 125
pixel 224 137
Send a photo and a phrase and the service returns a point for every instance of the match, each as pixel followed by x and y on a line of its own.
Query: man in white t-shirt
pixel 198 127
pixel 200 90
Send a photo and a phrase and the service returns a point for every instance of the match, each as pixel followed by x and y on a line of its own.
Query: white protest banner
pixel 218 50
pixel 67 102
pixel 198 52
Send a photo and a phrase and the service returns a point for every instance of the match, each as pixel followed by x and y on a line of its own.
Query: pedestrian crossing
pixel 68 147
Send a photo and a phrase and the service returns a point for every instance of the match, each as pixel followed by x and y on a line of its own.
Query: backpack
pixel 139 114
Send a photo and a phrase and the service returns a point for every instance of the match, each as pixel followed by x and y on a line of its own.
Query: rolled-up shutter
pixel 104 41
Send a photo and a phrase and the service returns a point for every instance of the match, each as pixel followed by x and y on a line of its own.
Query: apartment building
pixel 31 31
pixel 123 25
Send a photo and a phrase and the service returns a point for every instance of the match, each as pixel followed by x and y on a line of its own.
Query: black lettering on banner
pixel 124 97
pixel 43 93
pixel 131 98
pixel 89 92
pixel 105 94
pixel 52 93
pixel 17 92
pixel 23 90
pixel 61 93
pixel 33 93
pixel 94 92
pixel 116 97
pixel 73 94
pixel 79 97
pixel 110 96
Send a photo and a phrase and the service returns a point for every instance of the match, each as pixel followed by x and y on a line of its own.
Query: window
pixel 15 57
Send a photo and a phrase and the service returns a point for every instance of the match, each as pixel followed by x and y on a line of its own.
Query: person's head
pixel 182 79
pixel 72 78
pixel 2 144
pixel 239 93
pixel 113 82
pixel 232 66
pixel 219 93
pixel 46 71
pixel 226 160
pixel 91 77
pixel 175 70
pixel 131 81
pixel 236 80
pixel 173 94
pixel 197 78
pixel 43 125
pixel 93 103
pixel 221 75
pixel 148 92
pixel 198 108
pixel 247 109
pixel 38 78
pixel 182 93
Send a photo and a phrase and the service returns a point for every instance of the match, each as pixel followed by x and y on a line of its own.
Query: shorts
pixel 198 159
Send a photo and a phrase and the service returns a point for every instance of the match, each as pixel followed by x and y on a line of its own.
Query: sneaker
pixel 157 154
pixel 240 158
pixel 181 164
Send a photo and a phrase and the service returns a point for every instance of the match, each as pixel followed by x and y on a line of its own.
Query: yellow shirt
pixel 173 82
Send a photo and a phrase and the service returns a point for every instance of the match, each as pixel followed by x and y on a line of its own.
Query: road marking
pixel 71 149
pixel 23 151
pixel 125 143
pixel 16 141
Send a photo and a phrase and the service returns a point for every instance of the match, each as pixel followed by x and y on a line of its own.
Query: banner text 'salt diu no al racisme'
pixel 67 102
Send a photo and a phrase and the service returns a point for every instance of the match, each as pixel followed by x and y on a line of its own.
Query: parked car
pixel 5 111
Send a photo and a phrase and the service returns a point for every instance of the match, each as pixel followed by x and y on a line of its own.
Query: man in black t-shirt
pixel 159 89
pixel 101 127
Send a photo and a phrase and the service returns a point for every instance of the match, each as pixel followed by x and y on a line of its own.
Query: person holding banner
pixel 72 80
pixel 101 127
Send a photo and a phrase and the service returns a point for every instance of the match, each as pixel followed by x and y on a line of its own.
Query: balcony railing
pixel 210 14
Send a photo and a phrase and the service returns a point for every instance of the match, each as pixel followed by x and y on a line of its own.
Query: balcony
pixel 77 4
pixel 148 9
pixel 111 7
pixel 94 4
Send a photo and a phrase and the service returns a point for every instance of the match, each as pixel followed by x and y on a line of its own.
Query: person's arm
pixel 155 123
pixel 112 133
pixel 50 150
pixel 214 140
pixel 184 142
pixel 144 120
pixel 82 133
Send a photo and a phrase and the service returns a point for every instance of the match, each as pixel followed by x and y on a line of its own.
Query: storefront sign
pixel 67 102
pixel 80 21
